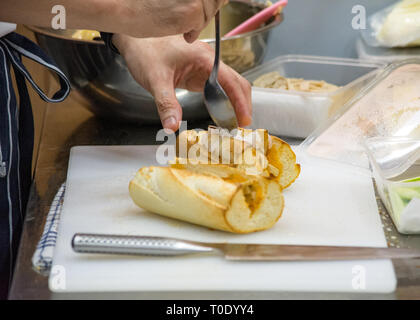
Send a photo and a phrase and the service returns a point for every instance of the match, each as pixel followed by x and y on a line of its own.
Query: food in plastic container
pixel 395 163
pixel 297 114
pixel 401 27
pixel 395 26
pixel 274 80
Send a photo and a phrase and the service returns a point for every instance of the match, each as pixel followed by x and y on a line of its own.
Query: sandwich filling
pixel 243 149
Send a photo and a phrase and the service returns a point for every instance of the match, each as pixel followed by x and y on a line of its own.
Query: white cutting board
pixel 325 206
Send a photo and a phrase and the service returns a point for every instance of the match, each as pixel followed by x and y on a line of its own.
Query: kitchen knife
pixel 160 246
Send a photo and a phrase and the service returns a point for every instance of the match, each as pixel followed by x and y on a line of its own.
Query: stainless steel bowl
pixel 103 78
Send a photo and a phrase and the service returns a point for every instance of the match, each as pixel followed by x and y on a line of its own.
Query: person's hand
pixel 138 18
pixel 162 64
pixel 187 17
pixel 158 18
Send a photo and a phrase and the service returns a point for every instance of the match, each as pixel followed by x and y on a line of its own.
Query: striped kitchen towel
pixel 42 258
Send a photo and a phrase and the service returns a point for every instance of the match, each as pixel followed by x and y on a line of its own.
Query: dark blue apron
pixel 16 143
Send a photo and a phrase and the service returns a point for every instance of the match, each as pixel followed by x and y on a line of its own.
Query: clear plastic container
pixel 388 107
pixel 397 25
pixel 385 55
pixel 297 114
pixel 395 164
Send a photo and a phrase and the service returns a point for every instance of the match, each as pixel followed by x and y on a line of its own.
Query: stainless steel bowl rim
pixel 49 32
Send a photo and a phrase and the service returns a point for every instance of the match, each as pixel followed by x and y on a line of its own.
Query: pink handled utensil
pixel 258 19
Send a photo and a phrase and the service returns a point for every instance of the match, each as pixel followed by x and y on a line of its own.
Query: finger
pixel 238 96
pixel 246 89
pixel 191 36
pixel 222 3
pixel 248 92
pixel 169 109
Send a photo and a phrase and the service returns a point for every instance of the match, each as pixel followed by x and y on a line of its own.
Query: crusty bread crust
pixel 218 196
pixel 208 200
pixel 282 157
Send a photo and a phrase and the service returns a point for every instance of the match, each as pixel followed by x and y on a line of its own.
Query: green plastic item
pixel 401 196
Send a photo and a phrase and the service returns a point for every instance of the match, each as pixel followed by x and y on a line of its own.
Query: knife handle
pixel 135 245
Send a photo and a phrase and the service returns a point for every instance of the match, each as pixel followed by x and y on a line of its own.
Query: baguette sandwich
pixel 229 182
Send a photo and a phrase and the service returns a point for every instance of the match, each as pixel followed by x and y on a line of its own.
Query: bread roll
pixel 218 185
pixel 233 203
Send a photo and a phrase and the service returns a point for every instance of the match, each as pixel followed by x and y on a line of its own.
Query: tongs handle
pixel 135 245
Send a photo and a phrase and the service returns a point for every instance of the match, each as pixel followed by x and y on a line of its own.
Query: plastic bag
pixel 395 26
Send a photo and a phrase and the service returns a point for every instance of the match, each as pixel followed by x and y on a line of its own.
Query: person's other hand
pixel 157 18
pixel 162 64
pixel 138 18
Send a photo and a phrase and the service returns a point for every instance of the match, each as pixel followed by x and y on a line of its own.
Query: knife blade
pixel 160 246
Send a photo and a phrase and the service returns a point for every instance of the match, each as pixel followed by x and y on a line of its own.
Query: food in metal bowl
pixel 86 35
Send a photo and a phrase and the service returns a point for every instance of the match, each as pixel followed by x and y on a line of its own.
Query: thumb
pixel 169 109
